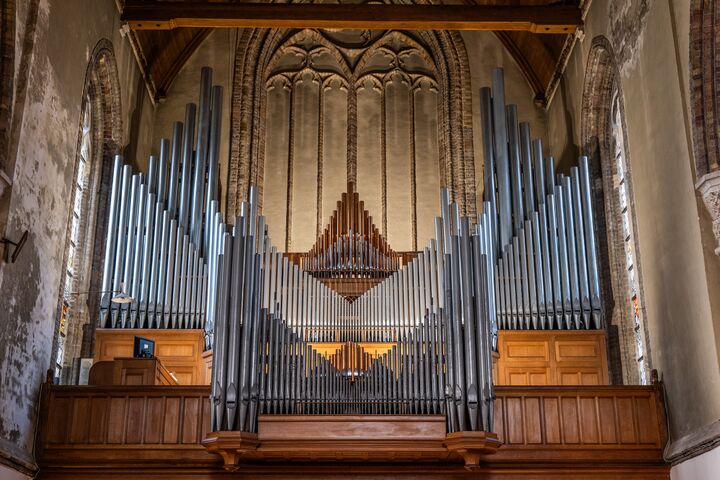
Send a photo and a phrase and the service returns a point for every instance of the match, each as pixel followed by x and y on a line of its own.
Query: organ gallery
pixel 365 240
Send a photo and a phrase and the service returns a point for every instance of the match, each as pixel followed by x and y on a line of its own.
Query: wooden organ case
pixel 480 356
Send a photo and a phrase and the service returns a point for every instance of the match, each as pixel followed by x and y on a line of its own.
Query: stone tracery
pixel 355 78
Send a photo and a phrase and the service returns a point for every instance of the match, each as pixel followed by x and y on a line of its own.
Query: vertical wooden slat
pixel 551 411
pixel 533 419
pixel 58 428
pixel 116 420
pixel 606 414
pixel 79 422
pixel 99 408
pixel 153 430
pixel 191 412
pixel 172 420
pixel 135 420
pixel 499 420
pixel 205 419
pixel 646 420
pixel 569 415
pixel 588 420
pixel 626 420
pixel 515 420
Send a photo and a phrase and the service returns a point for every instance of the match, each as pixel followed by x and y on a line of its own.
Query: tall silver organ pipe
pixel 161 246
pixel 285 343
pixel 414 335
pixel 545 261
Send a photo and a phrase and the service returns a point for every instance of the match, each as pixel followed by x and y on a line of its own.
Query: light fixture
pixel 121 298
pixel 18 245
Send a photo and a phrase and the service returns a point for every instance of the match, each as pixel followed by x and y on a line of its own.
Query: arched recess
pixel 99 139
pixel 704 76
pixel 604 141
pixel 7 74
pixel 445 51
pixel 705 104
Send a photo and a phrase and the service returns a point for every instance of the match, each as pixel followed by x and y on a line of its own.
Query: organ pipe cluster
pixel 161 226
pixel 433 314
pixel 546 265
pixel 351 246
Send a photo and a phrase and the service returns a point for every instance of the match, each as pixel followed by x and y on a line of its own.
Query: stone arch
pixel 101 104
pixel 7 73
pixel 705 105
pixel 601 92
pixel 255 49
pixel 704 77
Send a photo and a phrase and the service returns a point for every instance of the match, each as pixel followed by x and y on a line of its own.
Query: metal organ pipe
pixel 553 243
pixel 168 263
pixel 286 342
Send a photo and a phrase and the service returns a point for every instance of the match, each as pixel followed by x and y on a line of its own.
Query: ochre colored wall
pixel 678 267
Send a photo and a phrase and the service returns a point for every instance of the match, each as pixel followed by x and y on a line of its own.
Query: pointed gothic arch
pixel 604 141
pixel 445 53
pixel 99 140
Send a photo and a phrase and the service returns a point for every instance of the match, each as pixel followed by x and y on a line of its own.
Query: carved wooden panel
pixel 590 432
pixel 552 357
pixel 556 422
pixel 180 351
pixel 87 424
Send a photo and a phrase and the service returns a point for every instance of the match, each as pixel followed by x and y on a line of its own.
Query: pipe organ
pixel 432 314
pixel 546 266
pixel 161 227
pixel 352 327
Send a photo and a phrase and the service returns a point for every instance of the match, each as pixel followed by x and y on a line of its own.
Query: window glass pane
pixel 81 173
pixel 74 273
pixel 627 236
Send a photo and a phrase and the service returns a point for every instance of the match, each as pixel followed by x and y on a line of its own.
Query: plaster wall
pixel 485 53
pixel 45 141
pixel 650 40
pixel 702 467
pixel 217 52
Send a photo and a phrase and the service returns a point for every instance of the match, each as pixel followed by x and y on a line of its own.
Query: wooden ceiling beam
pixel 171 14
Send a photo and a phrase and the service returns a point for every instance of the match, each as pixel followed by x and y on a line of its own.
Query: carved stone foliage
pixel 314 109
pixel 709 188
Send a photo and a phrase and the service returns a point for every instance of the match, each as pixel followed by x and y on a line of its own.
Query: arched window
pixel 75 280
pixel 604 140
pixel 625 211
pixel 98 140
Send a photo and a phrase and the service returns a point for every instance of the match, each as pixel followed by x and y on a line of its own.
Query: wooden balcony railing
pixel 86 431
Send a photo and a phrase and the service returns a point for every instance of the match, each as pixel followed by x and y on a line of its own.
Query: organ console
pixel 528 262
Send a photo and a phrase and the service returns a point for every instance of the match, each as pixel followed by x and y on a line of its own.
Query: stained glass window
pixel 625 206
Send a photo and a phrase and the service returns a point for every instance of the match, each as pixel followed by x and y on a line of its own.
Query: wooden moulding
pixel 233 447
pixel 472 446
pixel 336 438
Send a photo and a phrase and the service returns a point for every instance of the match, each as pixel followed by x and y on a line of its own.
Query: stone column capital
pixel 708 186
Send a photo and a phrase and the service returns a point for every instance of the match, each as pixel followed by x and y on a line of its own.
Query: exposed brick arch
pixel 602 118
pixel 101 100
pixel 7 72
pixel 705 104
pixel 704 77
